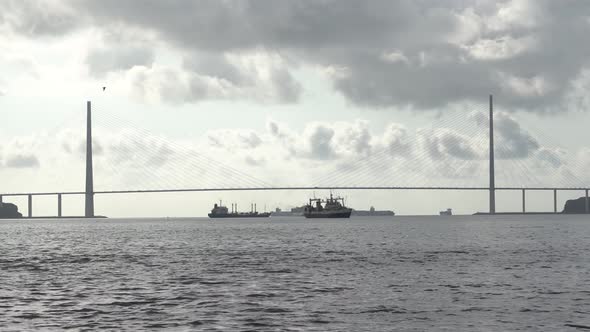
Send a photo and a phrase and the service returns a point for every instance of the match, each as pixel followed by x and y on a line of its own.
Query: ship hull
pixel 240 215
pixel 323 214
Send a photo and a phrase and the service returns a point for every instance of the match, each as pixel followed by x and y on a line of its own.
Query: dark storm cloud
pixel 236 25
pixel 424 54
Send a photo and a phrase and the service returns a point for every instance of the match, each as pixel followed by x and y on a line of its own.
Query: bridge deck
pixel 286 188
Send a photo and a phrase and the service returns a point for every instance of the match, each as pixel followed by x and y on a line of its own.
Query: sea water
pixel 460 273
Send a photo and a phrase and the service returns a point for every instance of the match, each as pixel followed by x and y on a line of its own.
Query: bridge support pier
pixel 59 205
pixel 523 201
pixel 554 200
pixel 30 205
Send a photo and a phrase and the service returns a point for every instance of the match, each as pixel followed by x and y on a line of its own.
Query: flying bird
pixel 104 88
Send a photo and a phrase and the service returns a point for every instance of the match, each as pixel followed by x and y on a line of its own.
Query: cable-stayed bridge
pixel 393 167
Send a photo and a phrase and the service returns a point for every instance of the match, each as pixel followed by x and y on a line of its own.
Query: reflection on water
pixel 411 274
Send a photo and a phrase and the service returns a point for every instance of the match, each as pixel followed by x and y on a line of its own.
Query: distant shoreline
pixel 518 213
pixel 63 217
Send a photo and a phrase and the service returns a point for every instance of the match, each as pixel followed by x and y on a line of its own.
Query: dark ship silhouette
pixel 298 212
pixel 332 208
pixel 220 211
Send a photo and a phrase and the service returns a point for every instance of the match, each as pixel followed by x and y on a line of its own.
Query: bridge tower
pixel 89 204
pixel 492 160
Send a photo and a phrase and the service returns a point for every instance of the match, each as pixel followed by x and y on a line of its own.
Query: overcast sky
pixel 293 93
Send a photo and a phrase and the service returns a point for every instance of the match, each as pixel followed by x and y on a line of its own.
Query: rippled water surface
pixel 280 274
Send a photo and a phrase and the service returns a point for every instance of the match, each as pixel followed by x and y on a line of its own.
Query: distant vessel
pixel 372 213
pixel 295 212
pixel 448 212
pixel 220 211
pixel 331 209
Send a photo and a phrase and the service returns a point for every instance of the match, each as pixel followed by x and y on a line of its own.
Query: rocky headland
pixel 9 210
pixel 575 206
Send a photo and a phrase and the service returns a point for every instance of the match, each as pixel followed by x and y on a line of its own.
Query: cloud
pixel 578 97
pixel 42 18
pixel 252 161
pixel 511 140
pixel 213 65
pixel 354 138
pixel 257 77
pixel 125 148
pixel 516 142
pixel 234 139
pixel 318 141
pixel 21 152
pixel 422 54
pixel 101 61
pixel 160 83
pixel 551 157
pixel 424 155
pixel 17 67
pixel 21 161
pixel 396 140
pixel 134 150
pixel 444 143
pixel 324 141
pixel 321 153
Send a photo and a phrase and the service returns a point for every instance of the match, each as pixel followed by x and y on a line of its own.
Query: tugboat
pixel 331 209
pixel 220 211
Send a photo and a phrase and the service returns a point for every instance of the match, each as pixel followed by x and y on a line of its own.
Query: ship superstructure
pixel 331 208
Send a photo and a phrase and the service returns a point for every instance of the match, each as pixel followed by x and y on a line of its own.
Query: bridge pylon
pixel 89 193
pixel 492 160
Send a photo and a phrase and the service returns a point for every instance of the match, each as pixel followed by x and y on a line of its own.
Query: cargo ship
pixel 332 208
pixel 372 213
pixel 220 211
